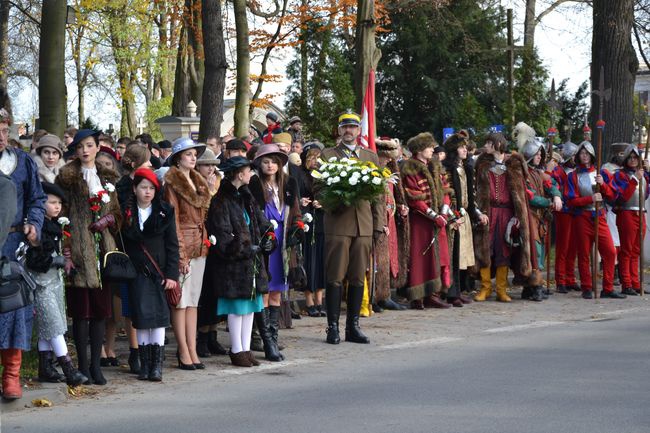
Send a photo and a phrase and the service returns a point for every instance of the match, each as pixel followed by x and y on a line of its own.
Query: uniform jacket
pixel 233 270
pixel 576 201
pixel 625 183
pixel 191 208
pixel 516 172
pixel 360 220
pixel 77 209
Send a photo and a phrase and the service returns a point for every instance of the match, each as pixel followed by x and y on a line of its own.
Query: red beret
pixel 148 174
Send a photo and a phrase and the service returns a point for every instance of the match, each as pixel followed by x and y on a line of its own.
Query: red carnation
pixel 95 208
pixel 207 243
pixel 271 235
pixel 128 213
pixel 66 234
pixel 300 224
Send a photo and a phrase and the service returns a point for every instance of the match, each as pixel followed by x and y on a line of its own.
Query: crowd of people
pixel 223 230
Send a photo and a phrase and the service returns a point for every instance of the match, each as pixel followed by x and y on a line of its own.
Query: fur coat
pixel 517 173
pixel 46 174
pixel 77 209
pixel 403 232
pixel 191 208
pixel 431 173
pixel 231 263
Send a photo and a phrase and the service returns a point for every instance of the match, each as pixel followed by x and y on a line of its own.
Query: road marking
pixel 410 344
pixel 541 324
pixel 263 367
pixel 627 310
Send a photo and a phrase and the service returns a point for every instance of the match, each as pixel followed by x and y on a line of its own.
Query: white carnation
pixel 353 181
pixel 109 187
pixel 376 181
pixel 63 221
pixel 365 178
pixel 106 198
pixel 332 159
pixel 274 223
pixel 307 217
pixel 306 228
pixel 344 173
pixel 325 175
pixel 365 170
pixel 336 179
pixel 213 240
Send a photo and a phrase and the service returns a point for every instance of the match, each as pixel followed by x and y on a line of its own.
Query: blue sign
pixel 497 128
pixel 446 133
pixel 194 136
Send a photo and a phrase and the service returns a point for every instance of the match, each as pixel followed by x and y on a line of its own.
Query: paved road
pixel 588 375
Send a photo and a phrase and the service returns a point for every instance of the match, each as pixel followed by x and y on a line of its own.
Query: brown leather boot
pixel 433 301
pixel 11 359
pixel 240 359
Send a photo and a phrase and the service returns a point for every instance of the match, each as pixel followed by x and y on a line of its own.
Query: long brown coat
pixel 516 172
pixel 77 209
pixel 191 211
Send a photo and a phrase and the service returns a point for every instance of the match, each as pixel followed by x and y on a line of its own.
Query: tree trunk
pixel 215 70
pixel 51 73
pixel 4 53
pixel 367 53
pixel 190 68
pixel 612 49
pixel 304 64
pixel 243 87
pixel 530 24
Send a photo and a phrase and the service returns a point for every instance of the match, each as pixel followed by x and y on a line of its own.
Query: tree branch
pixel 638 41
pixel 554 6
pixel 24 11
pixel 254 8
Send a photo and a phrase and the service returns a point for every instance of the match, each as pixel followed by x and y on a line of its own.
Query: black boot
pixel 312 311
pixel 256 341
pixel 202 345
pixel 155 362
pixel 134 361
pixel 213 345
pixel 321 311
pixel 80 330
pixel 271 351
pixel 333 304
pixel 145 361
pixel 353 333
pixel 97 330
pixel 73 377
pixel 46 371
pixel 537 294
pixel 274 325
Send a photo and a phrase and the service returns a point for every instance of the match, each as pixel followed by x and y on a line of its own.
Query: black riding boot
pixel 333 305
pixel 274 325
pixel 271 351
pixel 353 333
pixel 202 345
pixel 80 330
pixel 214 346
pixel 73 377
pixel 97 330
pixel 46 371
pixel 134 361
pixel 155 362
pixel 145 364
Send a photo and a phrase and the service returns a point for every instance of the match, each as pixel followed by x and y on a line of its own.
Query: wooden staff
pixel 641 215
pixel 547 241
pixel 602 94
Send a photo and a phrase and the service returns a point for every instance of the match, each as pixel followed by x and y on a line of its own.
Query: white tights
pixel 151 336
pixel 56 344
pixel 240 327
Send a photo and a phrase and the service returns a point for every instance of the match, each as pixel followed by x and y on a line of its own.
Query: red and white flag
pixel 367 136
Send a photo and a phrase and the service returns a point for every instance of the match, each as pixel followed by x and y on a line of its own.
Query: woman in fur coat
pixel 188 193
pixel 94 213
pixel 502 204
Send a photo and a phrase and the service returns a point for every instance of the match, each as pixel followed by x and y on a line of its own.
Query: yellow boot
pixel 502 284
pixel 486 285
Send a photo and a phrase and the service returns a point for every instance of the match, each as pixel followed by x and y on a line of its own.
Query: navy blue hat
pixel 234 163
pixel 84 133
pixel 165 144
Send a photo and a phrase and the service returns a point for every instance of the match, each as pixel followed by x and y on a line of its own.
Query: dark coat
pixel 147 301
pixel 231 262
pixel 77 209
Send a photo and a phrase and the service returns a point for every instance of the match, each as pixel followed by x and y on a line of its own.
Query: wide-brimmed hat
pixel 208 158
pixel 182 144
pixel 51 141
pixel 83 133
pixel 294 119
pixel 234 163
pixel 270 149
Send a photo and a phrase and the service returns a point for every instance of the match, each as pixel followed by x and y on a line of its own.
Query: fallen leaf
pixel 41 402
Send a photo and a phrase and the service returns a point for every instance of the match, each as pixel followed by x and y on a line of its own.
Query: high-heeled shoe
pixel 199 366
pixel 184 366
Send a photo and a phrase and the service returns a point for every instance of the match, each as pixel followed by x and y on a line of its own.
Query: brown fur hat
pixel 388 148
pixel 454 141
pixel 420 142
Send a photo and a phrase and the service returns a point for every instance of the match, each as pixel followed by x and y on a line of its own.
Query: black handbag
pixel 16 286
pixel 118 267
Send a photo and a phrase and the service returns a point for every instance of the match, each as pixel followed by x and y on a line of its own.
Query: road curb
pixel 56 393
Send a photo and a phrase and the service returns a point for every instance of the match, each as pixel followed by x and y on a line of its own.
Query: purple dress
pixel 277 282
